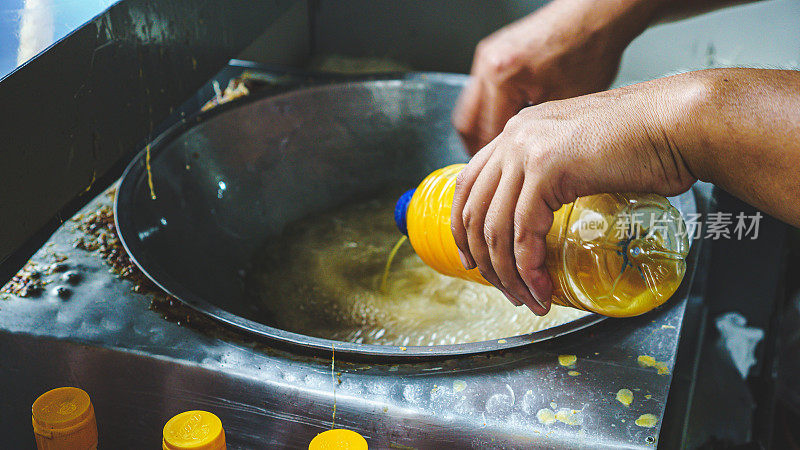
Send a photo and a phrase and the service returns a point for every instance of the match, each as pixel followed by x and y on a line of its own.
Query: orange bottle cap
pixel 64 418
pixel 338 439
pixel 196 430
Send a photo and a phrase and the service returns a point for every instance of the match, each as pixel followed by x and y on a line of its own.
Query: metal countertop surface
pixel 133 363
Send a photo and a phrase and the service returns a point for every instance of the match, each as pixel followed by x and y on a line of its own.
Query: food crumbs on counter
pixel 27 283
pixel 573 373
pixel 649 361
pixel 403 348
pixel 568 416
pixel 567 360
pixel 647 421
pixel 459 385
pixel 648 396
pixel 502 341
pixel 625 396
pixel 546 416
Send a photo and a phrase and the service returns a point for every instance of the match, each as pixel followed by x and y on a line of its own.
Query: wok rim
pixel 135 171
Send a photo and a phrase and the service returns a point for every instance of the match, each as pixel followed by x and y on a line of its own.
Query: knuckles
pixel 491 235
pixel 466 218
pixel 460 179
pixel 496 61
pixel 522 235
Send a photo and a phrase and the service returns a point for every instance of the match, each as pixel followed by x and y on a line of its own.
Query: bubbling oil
pixel 323 276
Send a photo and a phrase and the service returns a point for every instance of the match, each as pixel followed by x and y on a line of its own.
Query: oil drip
pixel 389 260
pixel 149 173
pixel 333 382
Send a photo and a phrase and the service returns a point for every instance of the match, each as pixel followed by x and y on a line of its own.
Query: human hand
pixel 550 154
pixel 565 49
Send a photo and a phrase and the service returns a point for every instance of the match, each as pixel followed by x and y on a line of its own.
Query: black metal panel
pixel 710 404
pixel 74 115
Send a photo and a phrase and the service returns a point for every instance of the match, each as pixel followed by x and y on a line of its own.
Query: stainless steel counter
pixel 141 369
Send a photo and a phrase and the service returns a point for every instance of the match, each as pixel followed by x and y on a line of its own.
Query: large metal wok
pixel 226 180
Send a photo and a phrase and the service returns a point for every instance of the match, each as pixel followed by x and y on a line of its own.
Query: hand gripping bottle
pixel 618 255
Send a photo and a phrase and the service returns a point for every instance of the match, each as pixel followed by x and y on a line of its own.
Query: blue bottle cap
pixel 401 210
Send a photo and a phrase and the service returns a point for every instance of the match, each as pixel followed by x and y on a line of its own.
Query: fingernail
pixel 513 300
pixel 537 297
pixel 532 310
pixel 540 288
pixel 465 261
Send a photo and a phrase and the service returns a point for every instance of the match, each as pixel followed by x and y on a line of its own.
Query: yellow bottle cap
pixel 64 418
pixel 196 430
pixel 338 439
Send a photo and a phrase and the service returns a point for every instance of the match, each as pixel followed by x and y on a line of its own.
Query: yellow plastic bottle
pixel 195 430
pixel 63 418
pixel 618 255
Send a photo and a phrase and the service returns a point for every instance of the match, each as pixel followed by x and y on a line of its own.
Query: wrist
pixel 617 22
pixel 671 110
pixel 687 112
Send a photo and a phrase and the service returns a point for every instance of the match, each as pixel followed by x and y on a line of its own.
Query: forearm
pixel 681 9
pixel 629 18
pixel 740 129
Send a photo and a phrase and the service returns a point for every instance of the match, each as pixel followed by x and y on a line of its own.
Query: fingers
pixel 464 182
pixel 466 115
pixel 482 110
pixel 532 220
pixel 499 239
pixel 474 217
pixel 502 104
pixel 511 256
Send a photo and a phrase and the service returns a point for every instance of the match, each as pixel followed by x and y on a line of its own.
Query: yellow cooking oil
pixel 323 276
pixel 389 260
pixel 618 255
